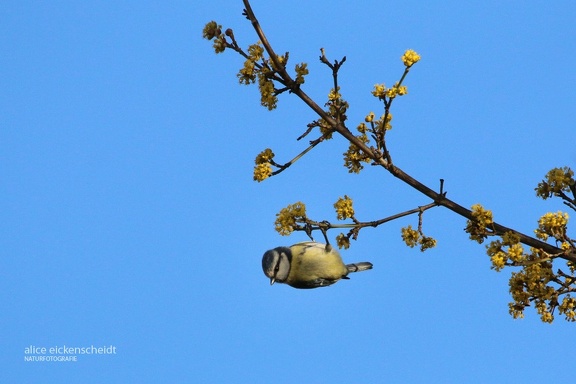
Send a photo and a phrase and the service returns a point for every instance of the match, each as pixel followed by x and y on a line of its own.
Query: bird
pixel 308 265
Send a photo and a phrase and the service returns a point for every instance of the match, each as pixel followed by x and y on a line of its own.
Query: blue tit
pixel 307 265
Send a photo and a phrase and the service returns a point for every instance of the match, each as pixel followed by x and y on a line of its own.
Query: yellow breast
pixel 312 266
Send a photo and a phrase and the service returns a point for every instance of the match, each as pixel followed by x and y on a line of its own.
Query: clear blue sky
pixel 130 218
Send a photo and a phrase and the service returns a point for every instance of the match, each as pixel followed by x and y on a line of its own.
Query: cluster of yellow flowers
pixel 532 283
pixel 410 236
pixel 262 171
pixel 211 30
pixel 413 237
pixel 263 168
pixel 337 106
pixel 301 71
pixel 568 308
pixel 557 180
pixel 287 219
pixel 247 74
pixel 265 156
pixel 536 284
pixel 354 156
pixel 255 64
pixel 380 91
pixel 477 228
pixel 344 208
pixel 343 241
pixel 545 313
pixel 427 242
pixel 410 57
pixel 509 248
pixel 377 125
pixel 397 90
pixel 384 122
pixel 214 31
pixel 552 224
pixel 334 94
pixel 516 252
pixel 362 128
pixel 255 52
pixel 268 96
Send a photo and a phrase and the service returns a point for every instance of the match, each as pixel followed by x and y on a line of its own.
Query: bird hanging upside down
pixel 308 265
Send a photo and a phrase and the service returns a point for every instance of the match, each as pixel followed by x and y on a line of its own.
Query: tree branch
pixel 376 156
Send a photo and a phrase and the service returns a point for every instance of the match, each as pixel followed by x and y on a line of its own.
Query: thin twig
pixel 324 225
pixel 282 167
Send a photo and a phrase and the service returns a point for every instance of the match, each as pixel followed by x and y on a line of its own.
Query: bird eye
pixel 277 267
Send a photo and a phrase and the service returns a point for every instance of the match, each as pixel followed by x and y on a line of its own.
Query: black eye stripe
pixel 277 266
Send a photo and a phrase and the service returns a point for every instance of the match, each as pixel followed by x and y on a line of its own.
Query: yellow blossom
pixel 515 311
pixel 287 219
pixel 267 96
pixel 392 92
pixel 379 91
pixel 547 317
pixel 342 241
pixel 219 44
pixel 334 94
pixel 552 224
pixel 410 236
pixel 516 252
pixel 211 30
pixel 262 172
pixel 532 286
pixel 510 238
pixel 354 156
pixel 247 74
pixel 255 52
pixel 265 156
pixel 477 228
pixel 427 242
pixel 498 260
pixel 557 181
pixel 385 121
pixel 568 308
pixel 344 208
pixel 301 71
pixel 410 57
pixel 483 216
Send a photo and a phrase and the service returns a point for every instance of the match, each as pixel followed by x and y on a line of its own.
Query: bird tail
pixel 358 267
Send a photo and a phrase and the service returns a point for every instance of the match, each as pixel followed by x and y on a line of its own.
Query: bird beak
pixel 272 280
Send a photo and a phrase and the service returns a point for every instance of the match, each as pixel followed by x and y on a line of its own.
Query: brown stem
pixel 312 225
